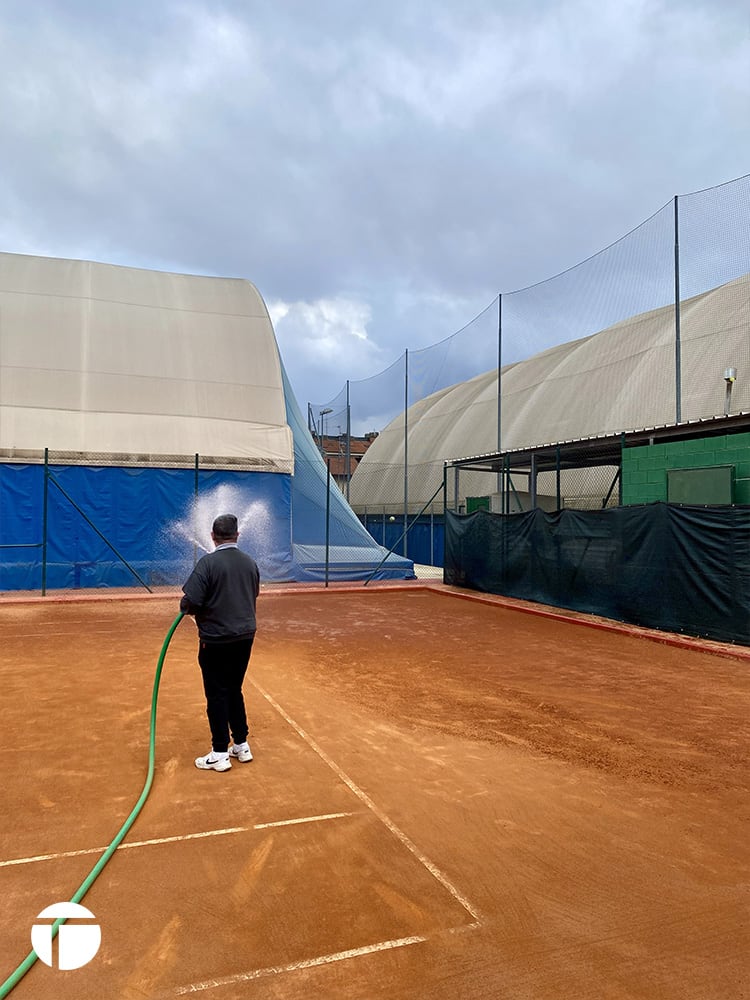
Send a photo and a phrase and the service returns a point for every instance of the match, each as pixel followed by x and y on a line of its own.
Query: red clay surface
pixel 491 805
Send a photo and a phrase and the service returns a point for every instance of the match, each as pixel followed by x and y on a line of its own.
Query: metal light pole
pixel 321 414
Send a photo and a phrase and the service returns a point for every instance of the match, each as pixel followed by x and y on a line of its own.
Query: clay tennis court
pixel 449 799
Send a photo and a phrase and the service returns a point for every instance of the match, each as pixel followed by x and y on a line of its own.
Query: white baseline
pixel 174 840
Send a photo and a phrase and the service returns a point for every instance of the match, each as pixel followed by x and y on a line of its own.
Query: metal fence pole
pixel 195 512
pixel 677 345
pixel 44 522
pixel 445 515
pixel 348 441
pixel 406 448
pixel 499 382
pixel 328 513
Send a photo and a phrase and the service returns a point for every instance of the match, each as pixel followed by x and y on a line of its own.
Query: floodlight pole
pixel 326 410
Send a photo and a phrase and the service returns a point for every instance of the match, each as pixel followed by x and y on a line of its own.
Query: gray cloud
pixel 380 172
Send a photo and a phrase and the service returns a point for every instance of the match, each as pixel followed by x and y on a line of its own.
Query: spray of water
pixel 254 518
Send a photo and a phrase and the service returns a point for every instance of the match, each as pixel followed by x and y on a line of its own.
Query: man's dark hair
pixel 225 526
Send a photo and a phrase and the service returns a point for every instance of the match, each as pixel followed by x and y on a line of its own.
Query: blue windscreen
pixel 115 527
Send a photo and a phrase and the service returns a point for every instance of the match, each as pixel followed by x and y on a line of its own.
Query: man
pixel 221 593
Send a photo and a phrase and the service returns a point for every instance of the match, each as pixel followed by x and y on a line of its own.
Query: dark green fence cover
pixel 664 566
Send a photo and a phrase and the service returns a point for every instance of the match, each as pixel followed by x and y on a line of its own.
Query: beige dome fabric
pixel 123 364
pixel 620 379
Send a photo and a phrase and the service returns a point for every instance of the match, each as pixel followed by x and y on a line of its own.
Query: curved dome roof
pixel 619 379
pixel 115 362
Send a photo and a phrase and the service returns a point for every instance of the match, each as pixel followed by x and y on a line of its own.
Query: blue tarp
pixel 151 517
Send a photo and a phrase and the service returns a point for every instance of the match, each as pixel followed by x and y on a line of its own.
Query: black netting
pixel 681 569
pixel 631 276
pixel 468 352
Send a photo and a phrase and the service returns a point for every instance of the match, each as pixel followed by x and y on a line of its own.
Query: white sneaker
pixel 242 752
pixel 214 762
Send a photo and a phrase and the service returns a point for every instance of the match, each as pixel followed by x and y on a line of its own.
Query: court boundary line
pixel 307 963
pixel 176 839
pixel 399 834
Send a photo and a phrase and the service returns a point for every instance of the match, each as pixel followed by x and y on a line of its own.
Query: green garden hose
pixel 23 968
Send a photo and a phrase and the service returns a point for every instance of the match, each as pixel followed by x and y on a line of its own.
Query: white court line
pixel 174 840
pixel 305 819
pixel 310 963
pixel 69 633
pixel 363 797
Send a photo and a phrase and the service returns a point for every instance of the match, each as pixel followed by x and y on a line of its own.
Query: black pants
pixel 223 665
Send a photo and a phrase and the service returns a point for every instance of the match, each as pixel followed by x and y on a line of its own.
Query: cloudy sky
pixel 379 170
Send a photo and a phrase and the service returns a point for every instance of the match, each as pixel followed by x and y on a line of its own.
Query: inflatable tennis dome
pixel 616 380
pixel 137 405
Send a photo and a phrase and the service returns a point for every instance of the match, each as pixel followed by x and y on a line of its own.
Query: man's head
pixel 225 529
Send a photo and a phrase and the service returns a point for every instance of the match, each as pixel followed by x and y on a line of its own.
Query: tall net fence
pixel 370 404
pixel 714 228
pixel 631 277
pixel 641 334
pixel 461 356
